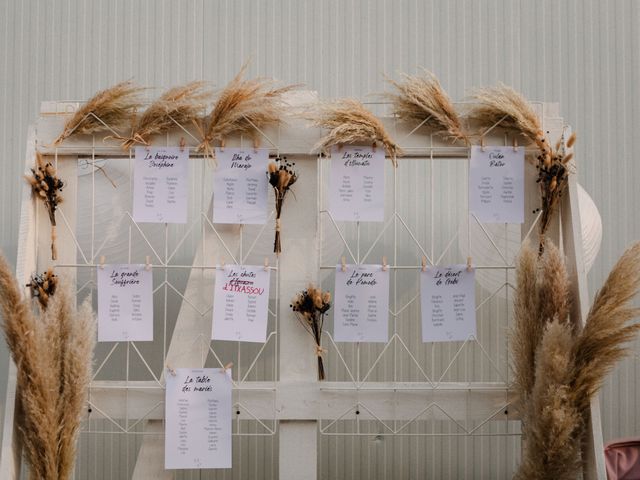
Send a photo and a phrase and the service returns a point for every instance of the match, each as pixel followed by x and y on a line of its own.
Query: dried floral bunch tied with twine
pixel 43 286
pixel 243 107
pixel 281 176
pixel 422 99
pixel 178 106
pixel 53 352
pixel 553 177
pixel 110 109
pixel 507 108
pixel 310 306
pixel 47 186
pixel 348 122
pixel 558 364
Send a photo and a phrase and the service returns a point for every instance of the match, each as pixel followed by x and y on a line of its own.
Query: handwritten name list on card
pixel 240 186
pixel 496 184
pixel 357 184
pixel 160 182
pixel 241 304
pixel 361 307
pixel 447 299
pixel 125 303
pixel 197 419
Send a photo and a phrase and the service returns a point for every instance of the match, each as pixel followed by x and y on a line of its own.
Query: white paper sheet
pixel 448 302
pixel 357 184
pixel 240 186
pixel 241 303
pixel 125 303
pixel 160 183
pixel 361 304
pixel 198 408
pixel 496 184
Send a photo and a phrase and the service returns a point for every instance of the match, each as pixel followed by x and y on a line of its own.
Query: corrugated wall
pixel 584 54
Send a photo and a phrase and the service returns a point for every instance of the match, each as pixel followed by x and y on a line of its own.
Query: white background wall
pixel 584 54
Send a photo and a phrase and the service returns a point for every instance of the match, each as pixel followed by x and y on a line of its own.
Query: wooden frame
pixel 295 400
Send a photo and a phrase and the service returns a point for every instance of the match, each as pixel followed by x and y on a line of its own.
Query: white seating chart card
pixel 357 184
pixel 197 418
pixel 125 303
pixel 240 186
pixel 448 303
pixel 160 183
pixel 361 305
pixel 496 184
pixel 241 303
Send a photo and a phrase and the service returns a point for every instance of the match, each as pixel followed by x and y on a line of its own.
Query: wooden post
pixel 297 267
pixel 593 447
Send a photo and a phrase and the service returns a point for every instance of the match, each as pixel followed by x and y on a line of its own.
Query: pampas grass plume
pixel 504 105
pixel 179 105
pixel 348 121
pixel 110 108
pixel 421 98
pixel 53 353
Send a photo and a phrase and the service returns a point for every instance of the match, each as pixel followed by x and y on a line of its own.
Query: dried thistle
pixel 503 106
pixel 421 98
pixel 109 109
pixel 556 382
pixel 43 286
pixel 177 106
pixel 309 307
pixel 47 187
pixel 348 121
pixel 53 352
pixel 242 107
pixel 281 176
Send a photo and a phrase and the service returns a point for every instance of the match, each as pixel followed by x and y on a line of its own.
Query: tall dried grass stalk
pixel 421 98
pixel 243 107
pixel 179 105
pixel 53 351
pixel 348 121
pixel 77 331
pixel 607 330
pixel 552 424
pixel 527 329
pixel 559 366
pixel 110 108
